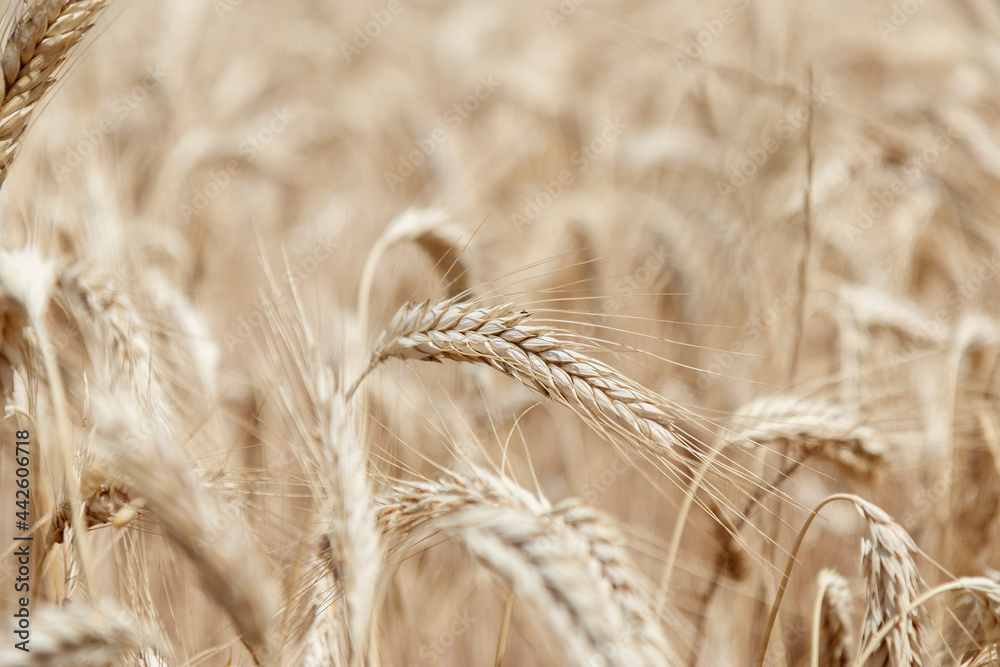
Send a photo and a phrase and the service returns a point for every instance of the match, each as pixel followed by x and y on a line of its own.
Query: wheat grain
pixel 629 590
pixel 106 501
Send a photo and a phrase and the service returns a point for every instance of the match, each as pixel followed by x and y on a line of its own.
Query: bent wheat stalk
pixel 893 580
pixel 831 626
pixel 984 589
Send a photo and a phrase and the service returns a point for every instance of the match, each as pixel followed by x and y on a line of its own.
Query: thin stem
pixel 807 238
pixel 720 562
pixel 965 583
pixel 817 618
pixel 766 639
pixel 504 629
pixel 675 539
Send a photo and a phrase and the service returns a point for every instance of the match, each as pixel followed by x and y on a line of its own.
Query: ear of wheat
pixel 208 530
pixel 38 44
pixel 893 584
pixel 537 357
pixel 811 428
pixel 542 554
pixel 332 454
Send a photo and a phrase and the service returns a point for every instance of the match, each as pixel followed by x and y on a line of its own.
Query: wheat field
pixel 540 332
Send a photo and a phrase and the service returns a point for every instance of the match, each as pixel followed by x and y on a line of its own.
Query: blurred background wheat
pixel 689 269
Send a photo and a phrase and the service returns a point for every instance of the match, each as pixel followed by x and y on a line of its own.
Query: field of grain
pixel 539 332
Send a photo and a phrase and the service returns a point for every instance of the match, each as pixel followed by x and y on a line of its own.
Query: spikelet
pixel 836 645
pixel 893 584
pixel 812 427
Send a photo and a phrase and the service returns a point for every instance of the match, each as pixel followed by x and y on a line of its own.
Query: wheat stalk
pixel 893 585
pixel 434 232
pixel 39 43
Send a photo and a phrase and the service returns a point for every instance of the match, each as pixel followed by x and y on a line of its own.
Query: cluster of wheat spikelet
pixel 528 333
